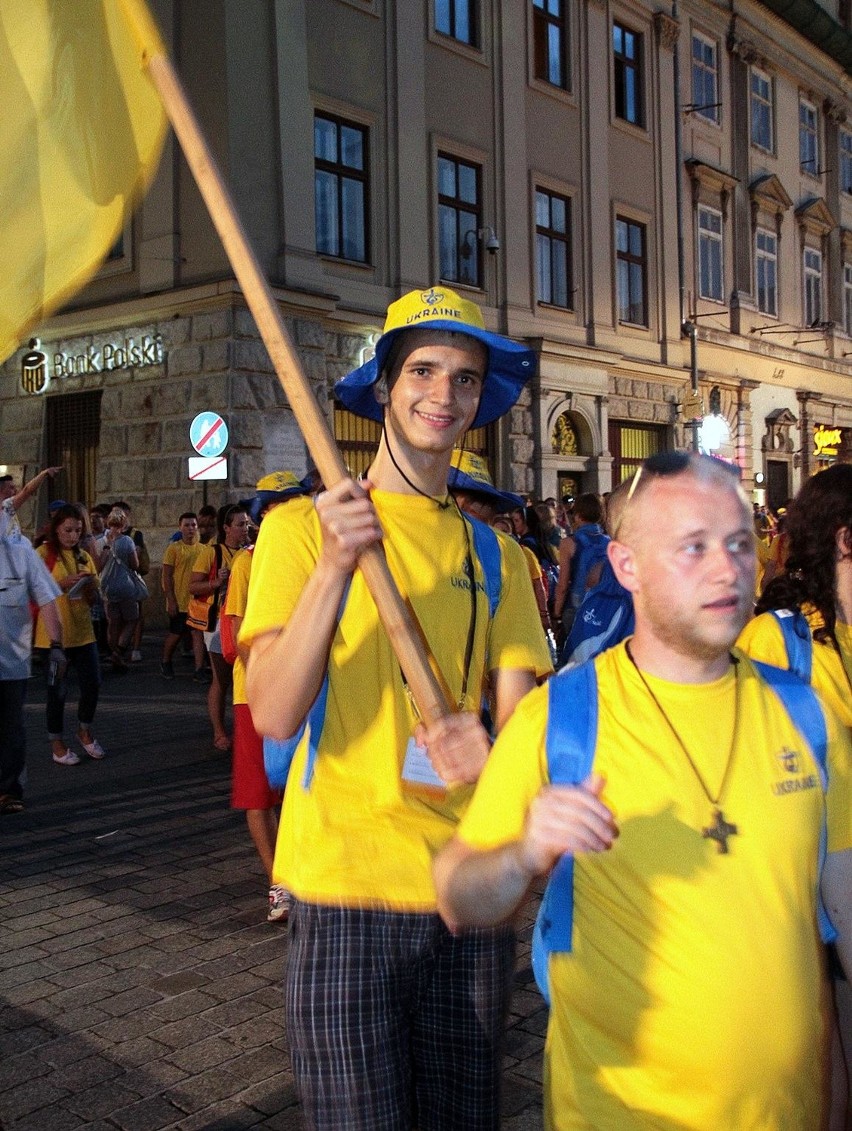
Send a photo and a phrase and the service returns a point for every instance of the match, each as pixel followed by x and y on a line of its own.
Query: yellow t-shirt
pixel 235 605
pixel 532 563
pixel 76 617
pixel 831 675
pixel 355 836
pixel 181 557
pixel 694 996
pixel 205 556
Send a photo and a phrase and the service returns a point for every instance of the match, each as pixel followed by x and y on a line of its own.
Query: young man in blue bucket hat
pixel 393 1022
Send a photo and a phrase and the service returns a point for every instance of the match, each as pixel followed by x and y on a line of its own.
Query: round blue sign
pixel 209 434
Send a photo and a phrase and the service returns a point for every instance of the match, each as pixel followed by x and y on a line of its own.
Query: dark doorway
pixel 777 483
pixel 73 429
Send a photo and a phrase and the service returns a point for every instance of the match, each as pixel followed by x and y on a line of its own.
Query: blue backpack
pixel 278 755
pixel 591 543
pixel 603 620
pixel 570 744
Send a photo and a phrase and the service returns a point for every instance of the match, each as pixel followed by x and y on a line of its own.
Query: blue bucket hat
pixel 468 472
pixel 273 488
pixel 510 364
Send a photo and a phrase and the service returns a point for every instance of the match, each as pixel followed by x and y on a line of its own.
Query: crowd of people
pixel 684 781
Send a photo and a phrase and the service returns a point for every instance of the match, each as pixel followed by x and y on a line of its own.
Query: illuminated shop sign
pixel 38 368
pixel 827 441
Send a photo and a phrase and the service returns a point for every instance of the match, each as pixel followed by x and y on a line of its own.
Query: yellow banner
pixel 81 132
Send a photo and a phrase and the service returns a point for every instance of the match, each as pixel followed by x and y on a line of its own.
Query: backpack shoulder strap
pixel 487 547
pixel 278 754
pixel 803 707
pixel 570 741
pixel 797 640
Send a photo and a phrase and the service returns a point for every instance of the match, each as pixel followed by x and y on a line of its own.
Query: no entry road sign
pixel 209 434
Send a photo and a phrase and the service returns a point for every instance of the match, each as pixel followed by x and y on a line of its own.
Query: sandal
pixel 69 758
pixel 93 748
pixel 10 804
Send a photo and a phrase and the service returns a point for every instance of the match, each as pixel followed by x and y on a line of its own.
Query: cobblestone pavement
pixel 139 979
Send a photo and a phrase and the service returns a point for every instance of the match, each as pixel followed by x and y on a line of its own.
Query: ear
pixel 843 538
pixel 623 561
pixel 380 390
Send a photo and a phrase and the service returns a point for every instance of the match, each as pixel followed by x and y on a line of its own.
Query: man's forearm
pixel 837 895
pixel 480 889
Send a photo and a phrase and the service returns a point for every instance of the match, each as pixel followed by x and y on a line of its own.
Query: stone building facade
pixel 609 200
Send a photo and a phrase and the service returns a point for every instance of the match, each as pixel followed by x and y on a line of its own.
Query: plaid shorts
pixel 393 1022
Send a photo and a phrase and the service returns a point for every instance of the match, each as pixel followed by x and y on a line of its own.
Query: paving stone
pixel 200 1090
pixel 258 1032
pixel 55 1118
pixel 156 968
pixel 203 1054
pixel 25 1098
pixel 146 1115
pixel 220 1117
pixel 175 984
pixel 184 1005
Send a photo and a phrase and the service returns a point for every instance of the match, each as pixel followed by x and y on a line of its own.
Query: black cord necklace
pixel 447 500
pixel 720 829
pixel 468 568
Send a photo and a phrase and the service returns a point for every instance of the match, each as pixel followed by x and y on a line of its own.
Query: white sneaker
pixel 93 749
pixel 279 904
pixel 136 656
pixel 69 758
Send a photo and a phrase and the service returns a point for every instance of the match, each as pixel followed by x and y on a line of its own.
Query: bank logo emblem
pixel 34 376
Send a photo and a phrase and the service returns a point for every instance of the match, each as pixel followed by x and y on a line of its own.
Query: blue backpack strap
pixel 278 754
pixel 570 740
pixel 487 547
pixel 797 640
pixel 803 707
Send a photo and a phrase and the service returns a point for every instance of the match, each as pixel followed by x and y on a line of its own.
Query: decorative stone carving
pixel 777 437
pixel 563 439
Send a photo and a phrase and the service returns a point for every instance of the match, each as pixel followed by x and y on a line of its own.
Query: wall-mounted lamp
pixel 489 239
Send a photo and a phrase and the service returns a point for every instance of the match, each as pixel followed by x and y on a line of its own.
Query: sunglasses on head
pixel 662 464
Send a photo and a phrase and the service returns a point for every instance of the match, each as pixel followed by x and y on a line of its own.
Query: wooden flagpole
pixel 425 688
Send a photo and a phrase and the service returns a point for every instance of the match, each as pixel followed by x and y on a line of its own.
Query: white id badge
pixel 418 771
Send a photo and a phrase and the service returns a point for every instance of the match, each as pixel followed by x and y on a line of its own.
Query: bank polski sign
pixel 39 367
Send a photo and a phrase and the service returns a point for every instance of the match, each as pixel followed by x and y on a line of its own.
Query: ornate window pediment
pixel 769 194
pixel 815 218
pixel 709 182
pixel 777 437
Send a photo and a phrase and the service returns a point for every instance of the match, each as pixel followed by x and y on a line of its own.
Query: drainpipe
pixel 688 327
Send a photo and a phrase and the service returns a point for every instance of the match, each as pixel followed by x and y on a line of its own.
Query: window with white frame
pixel 847 298
pixel 766 270
pixel 812 285
pixel 845 161
pixel 553 248
pixel 761 110
pixel 808 137
pixel 705 78
pixel 710 258
pixel 457 20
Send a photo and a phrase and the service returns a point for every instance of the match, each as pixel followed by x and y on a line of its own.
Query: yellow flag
pixel 81 132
